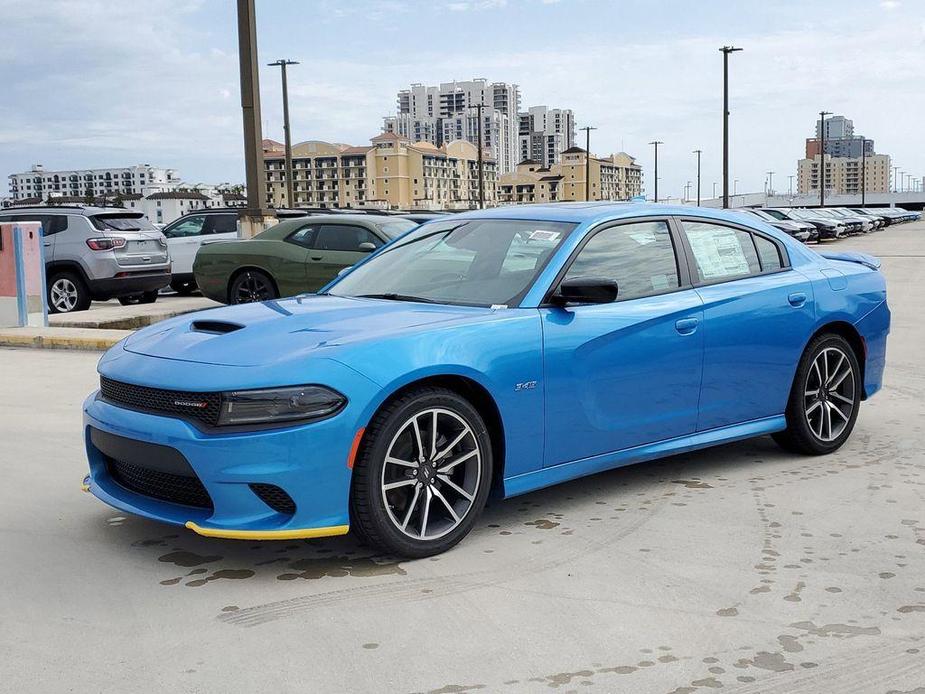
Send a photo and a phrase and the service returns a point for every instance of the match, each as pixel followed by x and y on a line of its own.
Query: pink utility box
pixel 22 276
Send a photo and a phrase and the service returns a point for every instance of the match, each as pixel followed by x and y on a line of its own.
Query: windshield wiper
pixel 397 297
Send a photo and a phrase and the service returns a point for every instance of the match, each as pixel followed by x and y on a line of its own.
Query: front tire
pixel 423 473
pixel 825 398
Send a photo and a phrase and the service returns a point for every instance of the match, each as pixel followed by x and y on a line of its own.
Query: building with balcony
pixel 850 161
pixel 139 179
pixel 392 172
pixel 617 177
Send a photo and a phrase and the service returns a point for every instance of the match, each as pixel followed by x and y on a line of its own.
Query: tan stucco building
pixel 617 177
pixel 390 173
pixel 843 175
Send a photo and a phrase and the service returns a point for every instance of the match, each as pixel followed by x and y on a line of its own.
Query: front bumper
pixel 308 462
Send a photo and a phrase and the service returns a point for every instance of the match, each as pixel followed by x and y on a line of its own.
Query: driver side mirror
pixel 586 290
pixel 367 247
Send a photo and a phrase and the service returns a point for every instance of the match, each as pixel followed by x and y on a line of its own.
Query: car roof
pixel 592 212
pixel 85 210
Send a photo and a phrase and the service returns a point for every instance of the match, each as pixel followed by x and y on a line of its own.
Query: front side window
pixel 478 262
pixel 639 257
pixel 344 237
pixel 191 226
pixel 721 252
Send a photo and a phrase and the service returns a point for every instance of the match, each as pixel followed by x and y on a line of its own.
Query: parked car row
pixel 827 223
pixel 102 253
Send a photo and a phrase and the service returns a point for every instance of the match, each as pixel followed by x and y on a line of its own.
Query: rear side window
pixel 768 254
pixel 304 236
pixel 639 257
pixel 343 237
pixel 721 252
pixel 51 223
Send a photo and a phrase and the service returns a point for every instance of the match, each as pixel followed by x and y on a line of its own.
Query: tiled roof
pixel 574 150
pixel 178 195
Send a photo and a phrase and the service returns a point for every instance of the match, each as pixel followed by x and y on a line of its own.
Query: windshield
pixel 119 222
pixel 479 262
pixel 776 214
pixel 762 214
pixel 396 227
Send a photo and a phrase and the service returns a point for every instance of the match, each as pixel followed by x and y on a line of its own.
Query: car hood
pixel 273 331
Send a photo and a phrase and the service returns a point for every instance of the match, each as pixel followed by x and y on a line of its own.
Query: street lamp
pixel 588 129
pixel 771 182
pixel 698 153
pixel 864 172
pixel 791 185
pixel 656 143
pixel 687 191
pixel 478 109
pixel 282 63
pixel 735 186
pixel 895 169
pixel 714 190
pixel 822 115
pixel 726 50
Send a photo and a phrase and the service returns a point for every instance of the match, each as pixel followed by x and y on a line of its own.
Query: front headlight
pixel 277 405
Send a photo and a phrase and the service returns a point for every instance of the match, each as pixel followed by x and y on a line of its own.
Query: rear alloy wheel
pixel 251 286
pixel 825 398
pixel 423 474
pixel 66 293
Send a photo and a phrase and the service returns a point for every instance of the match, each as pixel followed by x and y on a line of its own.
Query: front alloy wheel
pixel 423 473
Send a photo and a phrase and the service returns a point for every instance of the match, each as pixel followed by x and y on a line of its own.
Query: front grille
pixel 274 497
pixel 203 407
pixel 177 489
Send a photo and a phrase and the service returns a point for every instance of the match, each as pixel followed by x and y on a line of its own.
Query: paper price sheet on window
pixel 718 253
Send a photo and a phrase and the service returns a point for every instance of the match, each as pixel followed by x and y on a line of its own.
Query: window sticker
pixel 659 282
pixel 718 253
pixel 542 235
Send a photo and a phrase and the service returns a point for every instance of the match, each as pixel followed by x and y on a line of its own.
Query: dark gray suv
pixel 97 253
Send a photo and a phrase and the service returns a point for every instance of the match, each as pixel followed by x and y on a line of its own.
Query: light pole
pixel 771 182
pixel 282 63
pixel 735 186
pixel 253 215
pixel 863 172
pixel 895 169
pixel 714 190
pixel 478 108
pixel 899 180
pixel 822 115
pixel 726 50
pixel 698 153
pixel 588 129
pixel 791 185
pixel 687 192
pixel 656 143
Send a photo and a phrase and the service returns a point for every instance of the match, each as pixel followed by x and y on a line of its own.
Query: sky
pixel 102 83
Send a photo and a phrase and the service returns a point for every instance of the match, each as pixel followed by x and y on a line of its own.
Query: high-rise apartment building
pixel 851 163
pixel 441 114
pixel 545 133
pixel 95 183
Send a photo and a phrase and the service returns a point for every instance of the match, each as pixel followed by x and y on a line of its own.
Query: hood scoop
pixel 214 327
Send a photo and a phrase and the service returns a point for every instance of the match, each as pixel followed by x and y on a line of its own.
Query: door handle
pixel 797 299
pixel 317 257
pixel 47 244
pixel 686 326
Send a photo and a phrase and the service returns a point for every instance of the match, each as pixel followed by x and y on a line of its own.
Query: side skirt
pixel 531 481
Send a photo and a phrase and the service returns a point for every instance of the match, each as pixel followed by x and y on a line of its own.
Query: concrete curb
pixel 61 338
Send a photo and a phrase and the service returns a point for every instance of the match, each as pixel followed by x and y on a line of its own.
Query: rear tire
pixel 251 286
pixel 142 298
pixel 415 494
pixel 825 398
pixel 184 288
pixel 67 293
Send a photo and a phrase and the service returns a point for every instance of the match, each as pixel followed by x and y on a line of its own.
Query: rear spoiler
pixel 853 257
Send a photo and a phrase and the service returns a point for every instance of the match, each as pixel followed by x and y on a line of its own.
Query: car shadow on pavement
pixel 182 558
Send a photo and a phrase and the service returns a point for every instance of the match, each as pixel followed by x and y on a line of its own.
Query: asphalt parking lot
pixel 742 567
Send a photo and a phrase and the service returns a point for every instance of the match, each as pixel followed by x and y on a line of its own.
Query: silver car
pixel 97 253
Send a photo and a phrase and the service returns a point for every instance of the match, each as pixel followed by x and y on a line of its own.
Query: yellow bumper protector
pixel 295 534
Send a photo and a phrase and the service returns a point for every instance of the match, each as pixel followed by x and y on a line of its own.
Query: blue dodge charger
pixel 491 352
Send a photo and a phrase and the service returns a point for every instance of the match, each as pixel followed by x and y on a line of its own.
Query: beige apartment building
pixel 390 173
pixel 843 175
pixel 617 177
